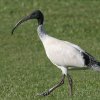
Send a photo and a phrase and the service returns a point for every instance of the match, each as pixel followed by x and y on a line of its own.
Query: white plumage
pixel 61 53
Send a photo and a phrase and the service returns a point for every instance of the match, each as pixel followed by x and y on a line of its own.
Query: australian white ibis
pixel 61 53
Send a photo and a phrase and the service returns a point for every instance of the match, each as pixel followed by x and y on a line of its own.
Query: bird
pixel 63 54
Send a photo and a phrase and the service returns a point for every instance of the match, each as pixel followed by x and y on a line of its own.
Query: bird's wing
pixel 75 46
pixel 88 58
pixel 63 53
pixel 67 51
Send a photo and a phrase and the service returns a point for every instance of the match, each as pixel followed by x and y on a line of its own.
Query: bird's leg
pixel 53 88
pixel 70 81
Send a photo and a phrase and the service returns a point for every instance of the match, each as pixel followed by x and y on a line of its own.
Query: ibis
pixel 62 54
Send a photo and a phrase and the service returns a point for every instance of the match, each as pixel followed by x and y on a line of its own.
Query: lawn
pixel 24 68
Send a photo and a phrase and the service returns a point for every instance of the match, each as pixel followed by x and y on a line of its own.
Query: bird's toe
pixel 43 93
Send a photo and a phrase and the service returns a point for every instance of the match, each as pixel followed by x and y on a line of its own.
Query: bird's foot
pixel 46 93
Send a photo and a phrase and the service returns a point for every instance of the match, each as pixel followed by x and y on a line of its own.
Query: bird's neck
pixel 41 32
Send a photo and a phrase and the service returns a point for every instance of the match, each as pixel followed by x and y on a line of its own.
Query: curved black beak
pixel 34 15
pixel 21 21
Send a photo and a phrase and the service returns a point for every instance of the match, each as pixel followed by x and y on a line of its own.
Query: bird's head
pixel 34 15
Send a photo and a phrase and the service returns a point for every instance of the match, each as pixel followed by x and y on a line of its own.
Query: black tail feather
pixel 91 62
pixel 98 63
pixel 96 66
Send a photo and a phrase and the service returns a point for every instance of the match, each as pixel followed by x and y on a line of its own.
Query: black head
pixel 34 15
pixel 37 15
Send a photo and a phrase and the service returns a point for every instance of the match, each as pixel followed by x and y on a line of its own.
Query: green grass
pixel 24 67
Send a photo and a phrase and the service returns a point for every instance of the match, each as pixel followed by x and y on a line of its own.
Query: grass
pixel 24 67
